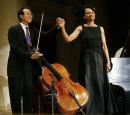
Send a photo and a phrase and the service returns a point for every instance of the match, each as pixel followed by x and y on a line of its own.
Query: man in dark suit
pixel 23 62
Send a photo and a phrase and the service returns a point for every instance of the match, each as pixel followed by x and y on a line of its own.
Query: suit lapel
pixel 22 35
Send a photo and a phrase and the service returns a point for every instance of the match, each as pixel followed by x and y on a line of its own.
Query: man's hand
pixel 36 55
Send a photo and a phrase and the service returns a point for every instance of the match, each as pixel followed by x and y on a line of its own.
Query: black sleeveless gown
pixel 93 75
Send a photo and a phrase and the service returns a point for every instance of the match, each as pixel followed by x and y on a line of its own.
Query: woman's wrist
pixel 108 62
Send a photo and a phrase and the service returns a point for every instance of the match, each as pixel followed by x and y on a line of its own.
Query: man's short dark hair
pixel 21 12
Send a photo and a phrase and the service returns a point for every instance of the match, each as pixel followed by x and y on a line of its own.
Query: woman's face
pixel 89 14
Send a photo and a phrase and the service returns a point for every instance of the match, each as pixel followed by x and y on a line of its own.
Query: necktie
pixel 28 38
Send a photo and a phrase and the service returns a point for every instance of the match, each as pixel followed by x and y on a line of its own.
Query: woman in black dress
pixel 94 49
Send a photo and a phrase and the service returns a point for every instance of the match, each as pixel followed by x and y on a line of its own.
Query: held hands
pixel 60 22
pixel 36 55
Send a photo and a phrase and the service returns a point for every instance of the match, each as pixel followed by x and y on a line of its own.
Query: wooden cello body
pixel 71 97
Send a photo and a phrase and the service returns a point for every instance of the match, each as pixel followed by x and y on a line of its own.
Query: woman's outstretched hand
pixel 60 22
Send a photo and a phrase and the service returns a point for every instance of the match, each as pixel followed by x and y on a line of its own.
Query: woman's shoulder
pixel 101 28
pixel 79 28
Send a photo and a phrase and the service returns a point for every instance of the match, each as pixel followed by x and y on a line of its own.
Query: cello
pixel 71 97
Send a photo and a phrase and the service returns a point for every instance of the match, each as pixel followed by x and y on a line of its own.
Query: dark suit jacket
pixel 19 62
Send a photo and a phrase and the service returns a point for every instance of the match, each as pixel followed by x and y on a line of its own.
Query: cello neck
pixel 51 68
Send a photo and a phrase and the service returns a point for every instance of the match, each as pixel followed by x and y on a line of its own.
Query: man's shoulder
pixel 15 26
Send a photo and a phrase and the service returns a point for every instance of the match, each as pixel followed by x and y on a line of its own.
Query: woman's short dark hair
pixel 21 12
pixel 91 7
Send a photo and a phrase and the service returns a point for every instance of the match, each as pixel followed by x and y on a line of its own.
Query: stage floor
pixel 6 110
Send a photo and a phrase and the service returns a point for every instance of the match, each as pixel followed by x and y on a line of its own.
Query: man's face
pixel 27 17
